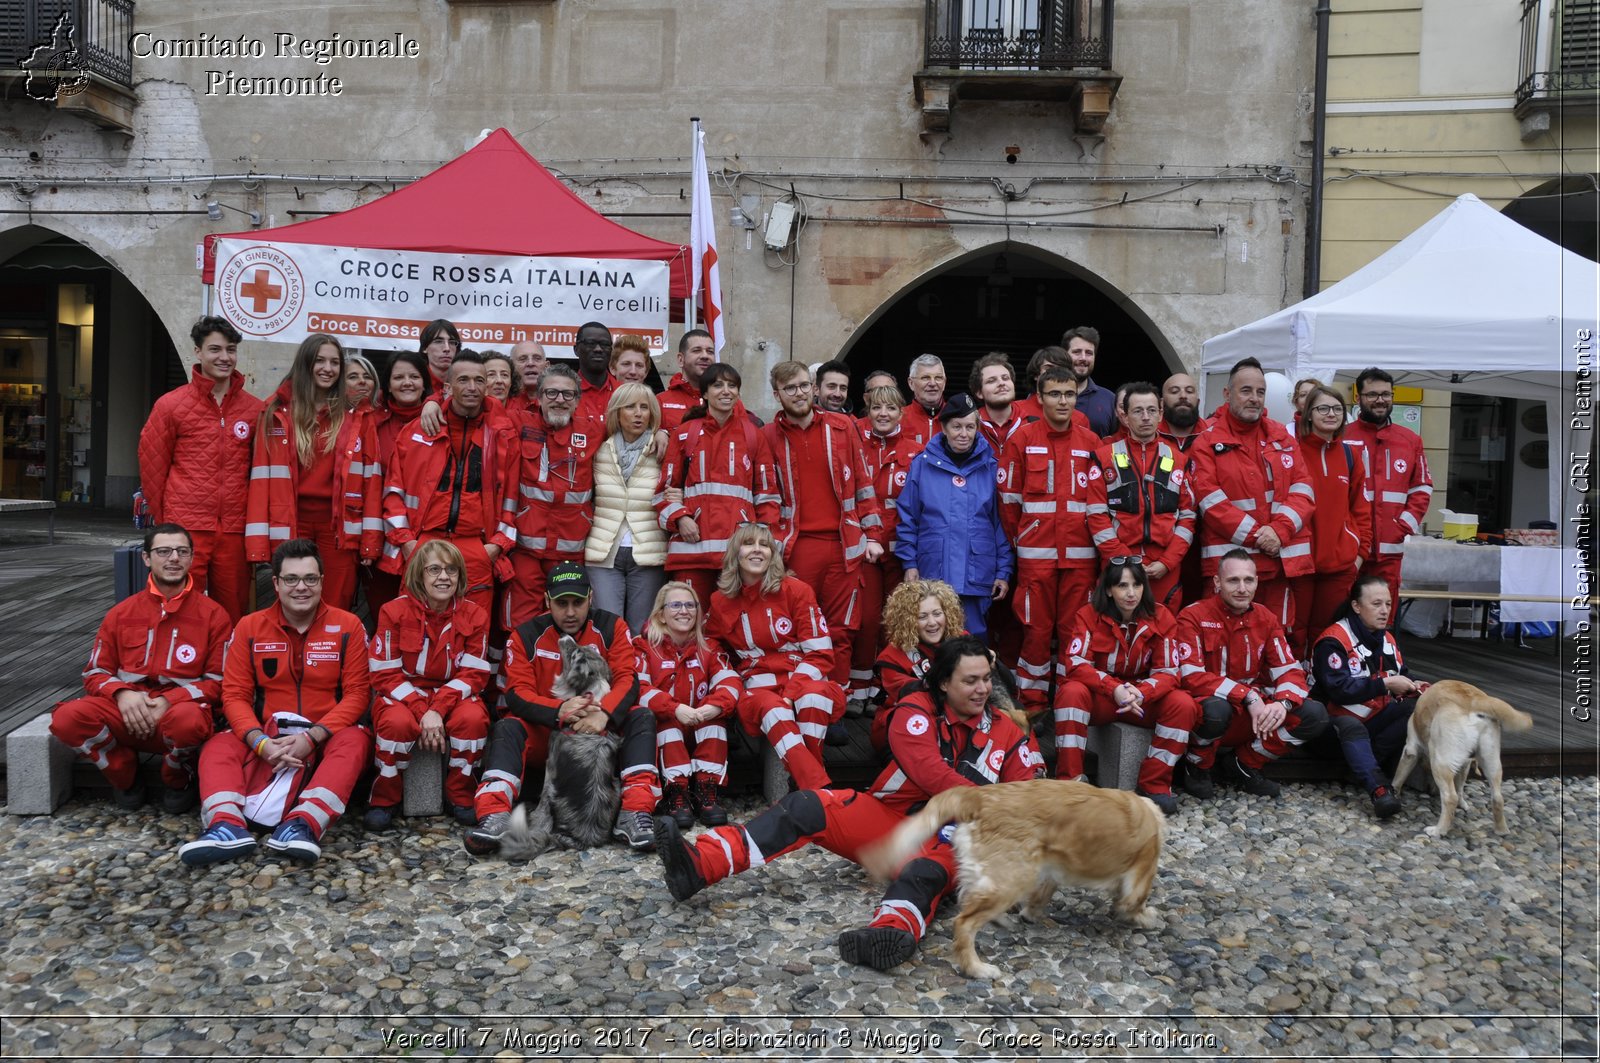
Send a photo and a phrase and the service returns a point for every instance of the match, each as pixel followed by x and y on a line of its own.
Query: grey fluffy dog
pixel 582 791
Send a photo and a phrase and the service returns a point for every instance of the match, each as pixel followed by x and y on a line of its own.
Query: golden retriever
pixel 1453 723
pixel 1027 838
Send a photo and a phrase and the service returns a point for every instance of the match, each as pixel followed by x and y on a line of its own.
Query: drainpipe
pixel 1319 134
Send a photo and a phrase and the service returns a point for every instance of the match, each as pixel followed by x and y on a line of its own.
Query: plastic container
pixel 1460 527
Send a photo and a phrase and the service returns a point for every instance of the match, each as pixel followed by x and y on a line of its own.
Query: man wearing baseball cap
pixel 521 739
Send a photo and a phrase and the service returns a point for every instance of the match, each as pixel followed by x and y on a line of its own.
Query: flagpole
pixel 694 146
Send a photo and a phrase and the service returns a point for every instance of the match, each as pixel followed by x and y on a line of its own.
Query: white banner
pixel 382 299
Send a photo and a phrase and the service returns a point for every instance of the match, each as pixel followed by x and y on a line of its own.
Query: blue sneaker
pixel 294 840
pixel 224 841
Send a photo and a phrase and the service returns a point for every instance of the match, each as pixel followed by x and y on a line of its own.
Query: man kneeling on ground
pixel 943 734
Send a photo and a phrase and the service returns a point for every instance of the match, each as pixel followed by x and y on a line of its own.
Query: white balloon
pixel 1280 398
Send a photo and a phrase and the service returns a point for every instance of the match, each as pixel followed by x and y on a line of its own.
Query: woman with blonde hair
pixel 430 663
pixel 627 548
pixel 315 474
pixel 360 382
pixel 775 634
pixel 692 688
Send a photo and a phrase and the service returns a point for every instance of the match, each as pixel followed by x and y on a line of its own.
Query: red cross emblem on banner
pixel 260 290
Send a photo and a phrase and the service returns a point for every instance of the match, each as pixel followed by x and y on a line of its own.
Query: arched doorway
pixel 82 358
pixel 1011 298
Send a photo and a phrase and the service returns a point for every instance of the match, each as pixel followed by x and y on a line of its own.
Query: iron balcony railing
pixel 1019 34
pixel 93 38
pixel 1560 56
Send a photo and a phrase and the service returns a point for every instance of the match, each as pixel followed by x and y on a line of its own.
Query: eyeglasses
pixel 753 524
pixel 1378 396
pixel 1129 559
pixel 435 571
pixel 680 607
pixel 798 388
pixel 165 552
pixel 1326 408
pixel 297 581
pixel 559 395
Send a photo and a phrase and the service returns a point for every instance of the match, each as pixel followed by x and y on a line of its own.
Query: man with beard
pixel 833 387
pixel 1094 402
pixel 993 383
pixel 457 483
pixel 830 522
pixel 921 417
pixel 1181 423
pixel 556 506
pixel 1401 486
pixel 593 348
pixel 696 353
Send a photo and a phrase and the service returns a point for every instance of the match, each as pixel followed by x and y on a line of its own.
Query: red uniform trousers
pixel 878 581
pixel 818 561
pixel 1169 585
pixel 1389 568
pixel 502 783
pixel 1170 718
pixel 843 822
pixel 703 580
pixel 523 596
pixel 398 726
pixel 480 570
pixel 795 729
pixel 708 743
pixel 1317 601
pixel 339 567
pixel 221 570
pixel 1005 630
pixel 380 588
pixel 1253 752
pixel 1048 598
pixel 230 775
pixel 92 727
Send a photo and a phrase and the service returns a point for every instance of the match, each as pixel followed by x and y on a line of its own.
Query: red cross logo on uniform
pixel 260 290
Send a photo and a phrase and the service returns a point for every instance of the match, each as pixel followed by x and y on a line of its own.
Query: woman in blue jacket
pixel 949 515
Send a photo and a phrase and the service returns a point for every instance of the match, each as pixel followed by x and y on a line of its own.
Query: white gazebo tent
pixel 1471 301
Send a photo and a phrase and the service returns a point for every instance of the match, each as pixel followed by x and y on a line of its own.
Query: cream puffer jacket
pixel 616 500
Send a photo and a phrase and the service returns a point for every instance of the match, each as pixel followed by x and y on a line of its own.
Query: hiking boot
pixel 878 947
pixel 677 862
pixel 1385 802
pixel 1165 802
pixel 855 707
pixel 177 802
pixel 636 829
pixel 294 841
pixel 378 817
pixel 465 814
pixel 712 814
pixel 1196 782
pixel 223 841
pixel 1251 781
pixel 485 837
pixel 132 798
pixel 676 805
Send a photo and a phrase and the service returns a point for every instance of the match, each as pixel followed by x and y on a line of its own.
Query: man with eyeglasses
pixel 1044 504
pixel 593 348
pixel 153 681
pixel 294 690
pixel 1401 487
pixel 457 483
pixel 828 510
pixel 556 504
pixel 1141 504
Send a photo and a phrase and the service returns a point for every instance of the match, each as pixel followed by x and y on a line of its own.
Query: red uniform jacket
pixel 1400 488
pixel 932 750
pixel 727 478
pixel 533 663
pixel 1247 477
pixel 592 401
pixel 671 675
pixel 1000 435
pixel 428 659
pixel 888 458
pixel 679 398
pixel 167 646
pixel 390 422
pixel 1044 495
pixel 557 500
pixel 775 639
pixel 1104 654
pixel 194 456
pixel 1221 655
pixel 859 516
pixel 1142 503
pixel 273 513
pixel 272 671
pixel 1340 529
pixel 413 478
pixel 1181 444
pixel 917 423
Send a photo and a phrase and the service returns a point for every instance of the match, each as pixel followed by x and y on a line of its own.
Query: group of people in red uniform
pixel 801 569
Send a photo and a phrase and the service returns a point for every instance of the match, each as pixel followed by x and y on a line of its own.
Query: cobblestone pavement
pixel 1295 929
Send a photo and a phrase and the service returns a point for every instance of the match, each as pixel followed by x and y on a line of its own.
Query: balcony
pixel 1052 50
pixel 1558 70
pixel 72 54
